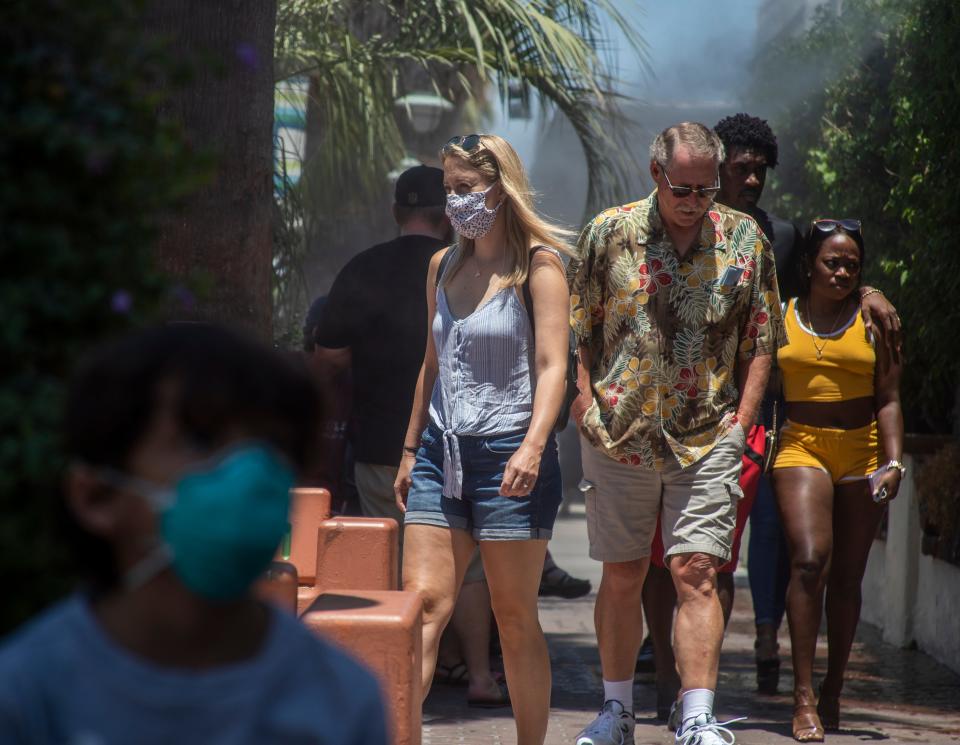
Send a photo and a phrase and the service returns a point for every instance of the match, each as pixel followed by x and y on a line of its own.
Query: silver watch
pixel 894 463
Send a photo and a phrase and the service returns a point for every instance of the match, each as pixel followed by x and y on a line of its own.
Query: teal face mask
pixel 220 524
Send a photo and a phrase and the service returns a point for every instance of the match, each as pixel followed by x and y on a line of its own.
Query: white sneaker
pixel 706 730
pixel 613 726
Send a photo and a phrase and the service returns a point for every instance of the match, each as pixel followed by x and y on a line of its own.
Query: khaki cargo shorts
pixel 699 503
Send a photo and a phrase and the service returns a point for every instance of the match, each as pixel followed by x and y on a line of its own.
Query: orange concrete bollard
pixel 357 553
pixel 382 630
pixel 309 508
pixel 278 585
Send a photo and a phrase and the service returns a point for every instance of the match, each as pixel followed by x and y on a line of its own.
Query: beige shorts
pixel 699 503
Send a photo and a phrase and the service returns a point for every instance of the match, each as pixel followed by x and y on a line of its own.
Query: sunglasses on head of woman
pixel 849 224
pixel 464 142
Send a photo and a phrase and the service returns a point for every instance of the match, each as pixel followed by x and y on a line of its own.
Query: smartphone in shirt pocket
pixel 731 276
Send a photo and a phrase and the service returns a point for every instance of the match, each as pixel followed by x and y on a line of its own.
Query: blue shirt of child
pixel 62 680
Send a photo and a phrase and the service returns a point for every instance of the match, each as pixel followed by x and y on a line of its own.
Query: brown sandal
pixel 806 724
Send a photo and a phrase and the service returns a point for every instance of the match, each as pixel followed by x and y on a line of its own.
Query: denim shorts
pixel 482 511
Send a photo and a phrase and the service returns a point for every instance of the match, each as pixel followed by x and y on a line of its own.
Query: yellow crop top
pixel 845 370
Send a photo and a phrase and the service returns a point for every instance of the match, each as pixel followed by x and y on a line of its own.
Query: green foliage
pixel 868 130
pixel 362 54
pixel 289 289
pixel 84 170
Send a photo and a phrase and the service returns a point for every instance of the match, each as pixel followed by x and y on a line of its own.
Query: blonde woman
pixel 480 460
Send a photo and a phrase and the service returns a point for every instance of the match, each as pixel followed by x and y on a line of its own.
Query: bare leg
pixel 434 562
pixel 619 617
pixel 513 570
pixel 855 520
pixel 659 602
pixel 471 621
pixel 699 626
pixel 805 497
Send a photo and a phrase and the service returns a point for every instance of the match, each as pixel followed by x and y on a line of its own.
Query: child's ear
pixel 95 506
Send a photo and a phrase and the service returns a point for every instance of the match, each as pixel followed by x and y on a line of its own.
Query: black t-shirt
pixel 378 308
pixel 786 241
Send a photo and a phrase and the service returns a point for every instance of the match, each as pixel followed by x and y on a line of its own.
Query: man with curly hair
pixel 752 149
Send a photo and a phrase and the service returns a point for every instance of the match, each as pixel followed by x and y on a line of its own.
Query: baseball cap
pixel 420 186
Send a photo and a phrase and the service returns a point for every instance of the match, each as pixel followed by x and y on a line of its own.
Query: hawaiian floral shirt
pixel 665 333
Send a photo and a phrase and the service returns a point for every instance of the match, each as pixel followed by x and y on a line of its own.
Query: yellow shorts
pixel 844 454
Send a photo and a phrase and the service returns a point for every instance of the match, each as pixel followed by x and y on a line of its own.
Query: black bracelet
pixel 408 449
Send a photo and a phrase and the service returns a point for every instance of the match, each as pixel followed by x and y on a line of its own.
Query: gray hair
pixel 700 139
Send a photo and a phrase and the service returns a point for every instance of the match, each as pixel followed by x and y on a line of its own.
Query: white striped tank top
pixel 486 374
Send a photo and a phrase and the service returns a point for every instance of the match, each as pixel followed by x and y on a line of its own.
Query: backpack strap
pixel 527 295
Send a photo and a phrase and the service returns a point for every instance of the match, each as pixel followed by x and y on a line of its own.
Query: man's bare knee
pixel 695 575
pixel 625 576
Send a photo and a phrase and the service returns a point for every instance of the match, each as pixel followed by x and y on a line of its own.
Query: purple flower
pixel 247 54
pixel 121 302
pixel 183 297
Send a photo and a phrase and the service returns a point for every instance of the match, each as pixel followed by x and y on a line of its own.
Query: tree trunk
pixel 221 241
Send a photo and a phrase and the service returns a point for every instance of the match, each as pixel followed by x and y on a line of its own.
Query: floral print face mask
pixel 469 215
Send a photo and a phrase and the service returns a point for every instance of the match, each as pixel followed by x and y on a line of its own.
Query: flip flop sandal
pixel 492 703
pixel 451 675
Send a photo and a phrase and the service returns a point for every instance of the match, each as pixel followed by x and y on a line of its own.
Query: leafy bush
pixel 85 169
pixel 869 131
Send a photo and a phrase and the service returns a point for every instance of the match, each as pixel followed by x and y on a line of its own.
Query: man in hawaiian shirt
pixel 675 306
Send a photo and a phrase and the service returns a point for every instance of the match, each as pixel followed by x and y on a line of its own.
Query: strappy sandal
pixel 828 709
pixel 806 724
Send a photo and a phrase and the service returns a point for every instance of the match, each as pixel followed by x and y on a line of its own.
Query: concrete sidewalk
pixel 892 695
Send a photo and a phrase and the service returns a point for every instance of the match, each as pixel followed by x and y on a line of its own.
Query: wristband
pixel 411 450
pixel 870 292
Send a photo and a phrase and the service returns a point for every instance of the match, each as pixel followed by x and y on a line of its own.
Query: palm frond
pixel 358 54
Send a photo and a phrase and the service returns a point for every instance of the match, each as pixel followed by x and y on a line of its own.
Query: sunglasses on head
pixel 685 191
pixel 464 142
pixel 849 224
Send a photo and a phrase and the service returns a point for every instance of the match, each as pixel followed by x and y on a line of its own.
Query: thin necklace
pixel 476 264
pixel 814 336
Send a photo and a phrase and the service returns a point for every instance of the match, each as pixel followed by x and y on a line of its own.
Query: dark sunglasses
pixel 849 224
pixel 464 142
pixel 685 191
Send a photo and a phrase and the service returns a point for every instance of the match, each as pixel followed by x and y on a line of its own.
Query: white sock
pixel 619 690
pixel 696 702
